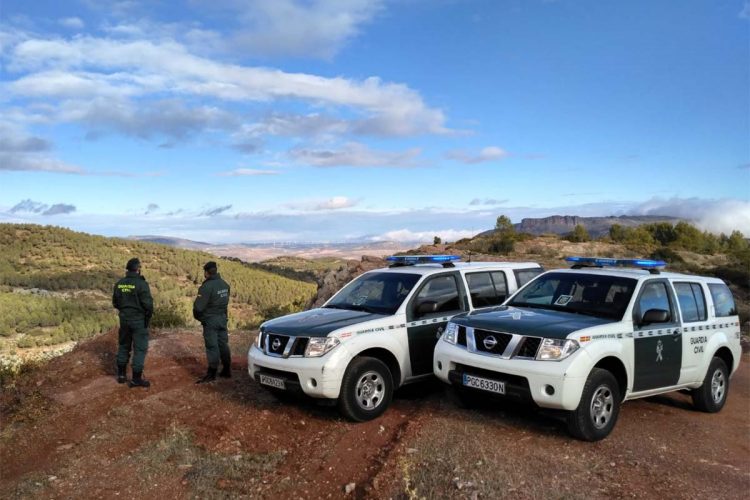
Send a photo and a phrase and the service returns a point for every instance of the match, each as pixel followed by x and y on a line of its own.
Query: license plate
pixel 484 384
pixel 272 381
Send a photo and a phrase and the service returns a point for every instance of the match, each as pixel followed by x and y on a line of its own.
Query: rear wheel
pixel 366 390
pixel 598 409
pixel 711 396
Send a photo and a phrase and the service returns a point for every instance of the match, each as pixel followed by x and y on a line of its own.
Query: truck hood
pixel 318 322
pixel 530 321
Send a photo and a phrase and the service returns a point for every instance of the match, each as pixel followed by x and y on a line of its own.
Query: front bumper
pixel 315 377
pixel 524 379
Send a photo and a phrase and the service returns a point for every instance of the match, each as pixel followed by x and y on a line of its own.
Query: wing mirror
pixel 655 316
pixel 426 307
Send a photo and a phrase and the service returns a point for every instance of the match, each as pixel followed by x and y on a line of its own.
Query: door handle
pixel 676 332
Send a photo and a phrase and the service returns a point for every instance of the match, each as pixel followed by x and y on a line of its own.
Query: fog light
pixel 440 366
pixel 313 382
pixel 549 390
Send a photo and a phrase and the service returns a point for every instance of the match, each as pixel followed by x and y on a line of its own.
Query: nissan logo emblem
pixel 490 342
pixel 277 343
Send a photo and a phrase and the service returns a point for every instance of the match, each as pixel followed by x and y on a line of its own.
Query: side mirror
pixel 426 307
pixel 655 316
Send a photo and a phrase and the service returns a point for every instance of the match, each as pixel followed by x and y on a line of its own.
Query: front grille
pixel 484 341
pixel 297 348
pixel 300 344
pixel 277 343
pixel 529 347
pixel 461 336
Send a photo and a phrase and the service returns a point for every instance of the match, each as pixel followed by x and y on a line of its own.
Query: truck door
pixel 438 299
pixel 657 337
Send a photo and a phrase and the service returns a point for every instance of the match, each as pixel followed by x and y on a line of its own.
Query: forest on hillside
pixel 63 263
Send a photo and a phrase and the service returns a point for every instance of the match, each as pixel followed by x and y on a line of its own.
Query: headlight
pixel 450 333
pixel 556 349
pixel 318 346
pixel 259 339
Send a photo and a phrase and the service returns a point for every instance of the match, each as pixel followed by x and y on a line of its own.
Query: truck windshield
pixel 380 293
pixel 589 294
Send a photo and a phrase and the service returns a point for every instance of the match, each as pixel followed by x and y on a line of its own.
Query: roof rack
pixel 652 266
pixel 413 260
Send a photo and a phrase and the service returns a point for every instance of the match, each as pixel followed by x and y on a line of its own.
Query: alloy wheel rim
pixel 602 406
pixel 370 390
pixel 718 386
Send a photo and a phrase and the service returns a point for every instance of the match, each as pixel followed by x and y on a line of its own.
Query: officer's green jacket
pixel 212 300
pixel 132 297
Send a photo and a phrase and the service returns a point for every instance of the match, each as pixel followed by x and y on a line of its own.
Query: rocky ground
pixel 68 430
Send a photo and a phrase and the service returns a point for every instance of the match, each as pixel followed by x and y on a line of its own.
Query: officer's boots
pixel 139 381
pixel 210 376
pixel 122 375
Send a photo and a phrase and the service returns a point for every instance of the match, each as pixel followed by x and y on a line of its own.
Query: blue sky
pixel 326 120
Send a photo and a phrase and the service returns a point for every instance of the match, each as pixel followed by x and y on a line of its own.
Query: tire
pixel 366 390
pixel 598 409
pixel 711 396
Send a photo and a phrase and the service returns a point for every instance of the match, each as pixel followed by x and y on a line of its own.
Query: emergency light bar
pixel 410 260
pixel 605 262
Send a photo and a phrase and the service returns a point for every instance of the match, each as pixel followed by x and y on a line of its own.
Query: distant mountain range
pixel 172 242
pixel 596 226
pixel 254 252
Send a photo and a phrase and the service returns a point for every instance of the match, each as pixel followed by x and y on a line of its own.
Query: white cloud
pixel 88 67
pixel 74 23
pixel 486 201
pixel 490 153
pixel 240 172
pixel 335 203
pixel 316 28
pixel 355 155
pixel 423 236
pixel 716 216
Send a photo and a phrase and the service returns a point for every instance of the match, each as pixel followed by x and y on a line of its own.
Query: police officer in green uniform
pixel 132 298
pixel 210 308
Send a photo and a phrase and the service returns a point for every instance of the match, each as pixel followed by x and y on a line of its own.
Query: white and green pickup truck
pixel 379 331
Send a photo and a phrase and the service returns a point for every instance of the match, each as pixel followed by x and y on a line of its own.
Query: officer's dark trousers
pixel 133 334
pixel 216 337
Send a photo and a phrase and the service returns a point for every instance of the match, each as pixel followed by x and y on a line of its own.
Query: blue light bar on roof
pixel 422 259
pixel 605 262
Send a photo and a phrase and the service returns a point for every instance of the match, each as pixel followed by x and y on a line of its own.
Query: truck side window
pixel 723 300
pixel 443 290
pixel 523 276
pixel 692 302
pixel 501 285
pixel 482 290
pixel 654 296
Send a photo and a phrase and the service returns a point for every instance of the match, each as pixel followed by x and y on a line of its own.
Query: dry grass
pixel 209 475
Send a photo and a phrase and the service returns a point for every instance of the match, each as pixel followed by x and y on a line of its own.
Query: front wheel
pixel 711 396
pixel 598 409
pixel 366 390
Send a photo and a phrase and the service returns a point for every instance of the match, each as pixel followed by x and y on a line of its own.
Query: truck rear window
pixel 723 300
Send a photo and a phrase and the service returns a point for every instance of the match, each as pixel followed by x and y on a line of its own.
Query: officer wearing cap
pixel 132 298
pixel 210 308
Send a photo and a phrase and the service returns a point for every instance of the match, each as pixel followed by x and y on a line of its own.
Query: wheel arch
pixel 386 357
pixel 616 367
pixel 725 354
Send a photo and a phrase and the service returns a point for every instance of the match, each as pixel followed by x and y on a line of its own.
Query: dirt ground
pixel 69 430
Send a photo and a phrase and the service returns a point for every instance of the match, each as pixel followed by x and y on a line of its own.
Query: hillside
pixel 56 285
pixel 596 226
